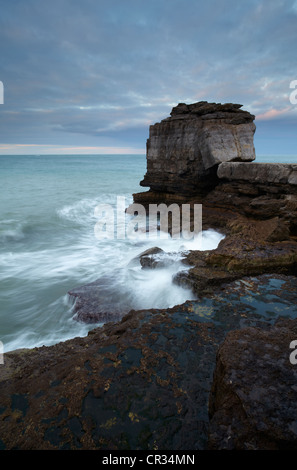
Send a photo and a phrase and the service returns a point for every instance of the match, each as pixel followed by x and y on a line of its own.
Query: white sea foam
pixel 155 287
pixel 80 211
pixel 48 247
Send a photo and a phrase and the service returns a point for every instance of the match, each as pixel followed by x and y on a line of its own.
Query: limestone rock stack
pixel 185 149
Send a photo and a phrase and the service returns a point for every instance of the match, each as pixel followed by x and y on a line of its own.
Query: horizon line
pixel 47 149
pixel 123 153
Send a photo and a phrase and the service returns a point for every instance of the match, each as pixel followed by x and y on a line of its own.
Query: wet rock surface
pixel 254 395
pixel 234 259
pixel 125 386
pixel 109 298
pixel 149 258
pixel 92 303
pixel 141 383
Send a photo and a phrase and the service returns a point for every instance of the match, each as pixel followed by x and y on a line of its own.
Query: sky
pixel 91 76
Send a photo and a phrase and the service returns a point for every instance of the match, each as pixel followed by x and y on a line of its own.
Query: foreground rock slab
pixel 253 403
pixel 126 386
pixel 141 383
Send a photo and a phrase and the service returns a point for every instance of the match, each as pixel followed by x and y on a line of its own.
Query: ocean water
pixel 276 159
pixel 48 245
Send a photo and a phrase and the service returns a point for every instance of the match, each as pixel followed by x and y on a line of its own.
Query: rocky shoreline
pixel 214 373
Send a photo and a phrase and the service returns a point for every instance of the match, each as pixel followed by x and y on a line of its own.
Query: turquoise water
pixel 276 158
pixel 48 244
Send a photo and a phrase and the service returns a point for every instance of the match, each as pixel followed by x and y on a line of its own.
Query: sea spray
pixel 48 245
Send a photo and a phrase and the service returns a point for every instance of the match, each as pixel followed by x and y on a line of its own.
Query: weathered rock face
pixel 253 403
pixel 259 173
pixel 184 150
pixel 258 190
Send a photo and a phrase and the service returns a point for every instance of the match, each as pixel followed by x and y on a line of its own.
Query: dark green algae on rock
pixel 141 383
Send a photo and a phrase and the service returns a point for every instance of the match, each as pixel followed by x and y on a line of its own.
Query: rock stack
pixel 204 153
pixel 184 150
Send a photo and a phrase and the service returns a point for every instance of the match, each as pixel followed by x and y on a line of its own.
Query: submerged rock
pixel 147 258
pixel 97 302
pixel 158 258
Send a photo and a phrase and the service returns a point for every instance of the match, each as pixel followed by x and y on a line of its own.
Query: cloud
pixel 273 113
pixel 98 73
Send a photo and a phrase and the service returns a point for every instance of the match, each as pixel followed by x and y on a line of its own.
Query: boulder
pixel 147 258
pixel 158 258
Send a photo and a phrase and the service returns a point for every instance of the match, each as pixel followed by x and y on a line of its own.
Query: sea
pixel 49 244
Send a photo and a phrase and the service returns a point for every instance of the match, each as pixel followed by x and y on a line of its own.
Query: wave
pixel 59 251
pixel 79 212
pixel 83 210
pixel 124 285
pixel 155 287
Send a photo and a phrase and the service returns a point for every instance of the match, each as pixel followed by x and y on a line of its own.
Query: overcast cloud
pixel 92 75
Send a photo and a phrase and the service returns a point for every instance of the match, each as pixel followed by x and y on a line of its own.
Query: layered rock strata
pixel 258 190
pixel 253 204
pixel 184 150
